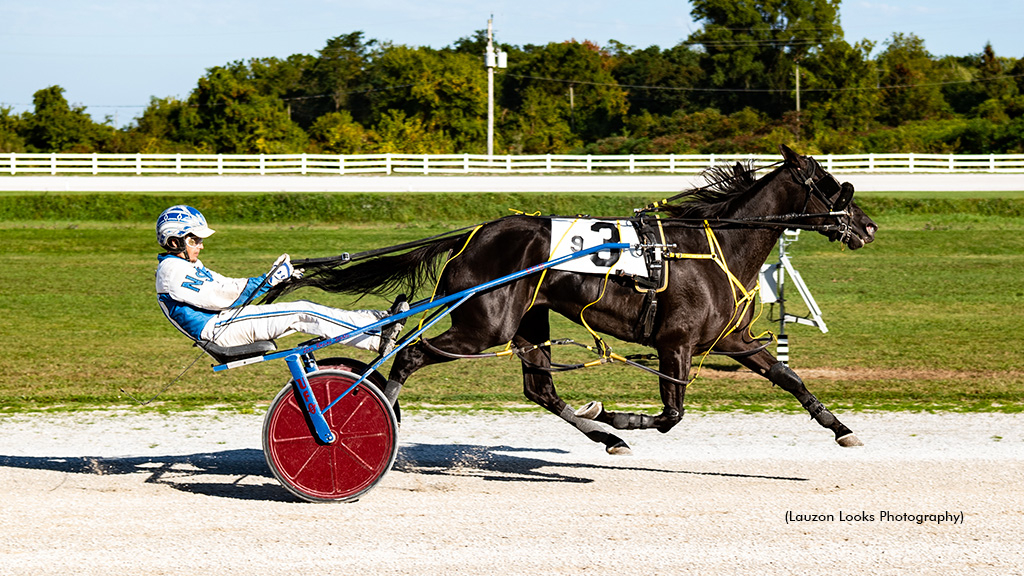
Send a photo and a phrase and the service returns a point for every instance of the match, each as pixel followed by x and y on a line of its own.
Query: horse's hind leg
pixel 783 376
pixel 539 387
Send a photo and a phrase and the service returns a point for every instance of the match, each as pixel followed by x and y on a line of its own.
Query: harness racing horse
pixel 698 311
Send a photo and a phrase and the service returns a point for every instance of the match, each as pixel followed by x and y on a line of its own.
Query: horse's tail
pixel 380 275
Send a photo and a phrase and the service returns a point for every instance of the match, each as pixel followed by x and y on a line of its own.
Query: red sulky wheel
pixel 365 449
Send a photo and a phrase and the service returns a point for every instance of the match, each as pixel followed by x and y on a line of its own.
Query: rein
pixel 345 257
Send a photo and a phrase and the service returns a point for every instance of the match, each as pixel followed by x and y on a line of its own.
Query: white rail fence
pixel 220 164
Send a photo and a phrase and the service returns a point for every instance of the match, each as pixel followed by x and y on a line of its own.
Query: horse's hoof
pixel 620 448
pixel 590 411
pixel 849 440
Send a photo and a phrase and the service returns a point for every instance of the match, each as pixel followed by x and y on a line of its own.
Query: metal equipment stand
pixel 773 280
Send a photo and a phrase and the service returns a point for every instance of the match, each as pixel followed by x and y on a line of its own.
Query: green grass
pixel 926 318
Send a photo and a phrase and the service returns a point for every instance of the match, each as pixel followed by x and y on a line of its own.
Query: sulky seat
pixel 225 354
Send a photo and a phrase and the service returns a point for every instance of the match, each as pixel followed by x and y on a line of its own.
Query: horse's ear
pixel 788 154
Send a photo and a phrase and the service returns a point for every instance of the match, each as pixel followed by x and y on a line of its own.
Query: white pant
pixel 235 327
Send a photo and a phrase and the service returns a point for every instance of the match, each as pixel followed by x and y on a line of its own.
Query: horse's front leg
pixel 676 366
pixel 764 363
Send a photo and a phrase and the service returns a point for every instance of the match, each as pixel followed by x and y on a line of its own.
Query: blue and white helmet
pixel 180 221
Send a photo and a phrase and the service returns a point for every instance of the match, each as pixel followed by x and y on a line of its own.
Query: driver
pixel 207 306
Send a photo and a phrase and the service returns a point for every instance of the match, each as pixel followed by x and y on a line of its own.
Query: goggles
pixel 193 241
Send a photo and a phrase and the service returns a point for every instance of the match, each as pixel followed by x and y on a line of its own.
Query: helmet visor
pixel 201 231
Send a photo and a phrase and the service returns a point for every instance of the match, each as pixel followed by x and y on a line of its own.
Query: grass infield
pixel 926 318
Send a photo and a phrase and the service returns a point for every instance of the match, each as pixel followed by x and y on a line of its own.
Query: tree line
pixel 730 87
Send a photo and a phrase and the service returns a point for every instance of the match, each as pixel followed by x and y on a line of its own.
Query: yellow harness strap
pixel 742 298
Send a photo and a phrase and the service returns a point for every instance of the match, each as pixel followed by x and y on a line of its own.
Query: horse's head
pixel 828 203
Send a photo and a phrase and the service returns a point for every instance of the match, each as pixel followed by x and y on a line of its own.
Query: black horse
pixel 696 312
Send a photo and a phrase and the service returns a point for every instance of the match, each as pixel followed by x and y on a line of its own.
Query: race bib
pixel 572 235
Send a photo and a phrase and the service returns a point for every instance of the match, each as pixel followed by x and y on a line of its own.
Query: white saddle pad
pixel 570 235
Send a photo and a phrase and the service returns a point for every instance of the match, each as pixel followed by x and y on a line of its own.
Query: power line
pixel 767 90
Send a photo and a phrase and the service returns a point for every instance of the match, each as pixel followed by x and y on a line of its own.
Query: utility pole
pixel 492 59
pixel 798 87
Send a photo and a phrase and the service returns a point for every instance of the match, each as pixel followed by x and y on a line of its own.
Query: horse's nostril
pixel 871 230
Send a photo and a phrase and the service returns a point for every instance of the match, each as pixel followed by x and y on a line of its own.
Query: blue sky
pixel 113 55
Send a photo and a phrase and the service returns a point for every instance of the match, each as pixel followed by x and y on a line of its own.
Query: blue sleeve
pixel 250 293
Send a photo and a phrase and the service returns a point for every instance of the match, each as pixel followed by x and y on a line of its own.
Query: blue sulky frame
pixel 300 360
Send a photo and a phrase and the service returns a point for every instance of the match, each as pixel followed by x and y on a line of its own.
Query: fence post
pixel 547 163
pixel 341 165
pixel 177 163
pixel 12 164
pixel 871 162
pixel 828 162
pixel 508 163
pixel 53 164
pixel 632 164
pixel 220 164
pixel 387 164
pixel 672 163
pixel 426 158
pixel 263 168
pixel 952 167
pixel 711 161
pixel 138 164
pixel 590 164
pixel 303 166
pixel 95 164
pixel 991 162
pixel 910 159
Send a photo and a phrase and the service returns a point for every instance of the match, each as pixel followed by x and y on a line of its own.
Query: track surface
pixel 512 493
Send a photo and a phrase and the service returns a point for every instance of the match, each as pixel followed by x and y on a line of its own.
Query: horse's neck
pixel 748 248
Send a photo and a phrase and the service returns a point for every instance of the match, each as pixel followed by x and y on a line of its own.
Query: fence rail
pixel 221 164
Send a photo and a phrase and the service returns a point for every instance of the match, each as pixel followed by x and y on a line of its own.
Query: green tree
pixel 11 127
pixel 233 117
pixel 839 89
pixel 443 90
pixel 167 125
pixel 561 95
pixel 55 126
pixel 658 81
pixel 398 134
pixel 909 84
pixel 751 48
pixel 338 133
pixel 337 80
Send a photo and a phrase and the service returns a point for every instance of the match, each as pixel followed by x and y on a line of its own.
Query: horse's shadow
pixel 515 464
pixel 243 474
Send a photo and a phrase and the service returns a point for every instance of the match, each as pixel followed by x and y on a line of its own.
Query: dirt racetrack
pixel 512 493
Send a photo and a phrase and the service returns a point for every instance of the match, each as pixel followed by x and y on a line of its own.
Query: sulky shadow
pixel 226 474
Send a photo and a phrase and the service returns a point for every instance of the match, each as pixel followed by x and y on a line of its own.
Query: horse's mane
pixel 727 185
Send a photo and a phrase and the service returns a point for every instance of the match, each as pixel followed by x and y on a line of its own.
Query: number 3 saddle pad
pixel 569 235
